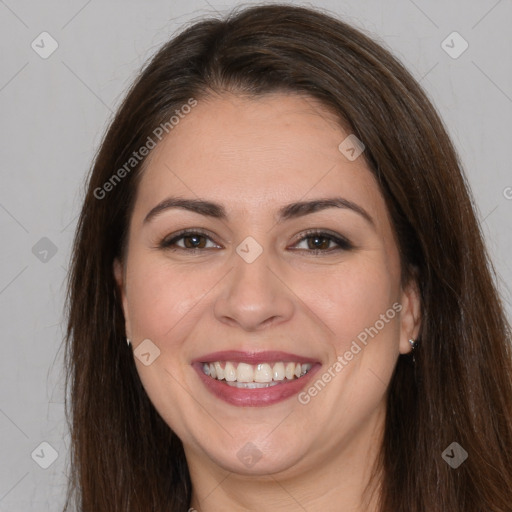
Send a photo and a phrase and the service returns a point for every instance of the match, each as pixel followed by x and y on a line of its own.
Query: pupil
pixel 317 242
pixel 196 241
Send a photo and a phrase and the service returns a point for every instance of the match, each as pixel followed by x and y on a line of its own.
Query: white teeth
pixel 219 370
pixel 263 373
pixel 278 371
pixel 252 385
pixel 290 371
pixel 229 372
pixel 243 375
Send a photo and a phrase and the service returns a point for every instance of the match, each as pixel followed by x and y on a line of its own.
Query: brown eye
pixel 315 242
pixel 194 241
pixel 187 241
pixel 320 242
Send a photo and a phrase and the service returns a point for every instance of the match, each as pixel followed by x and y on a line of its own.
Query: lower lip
pixel 255 397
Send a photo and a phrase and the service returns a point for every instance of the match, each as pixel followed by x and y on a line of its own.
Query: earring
pixel 128 341
pixel 413 346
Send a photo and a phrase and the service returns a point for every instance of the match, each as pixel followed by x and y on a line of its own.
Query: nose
pixel 254 296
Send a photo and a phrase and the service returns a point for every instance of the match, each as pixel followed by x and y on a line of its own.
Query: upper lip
pixel 252 357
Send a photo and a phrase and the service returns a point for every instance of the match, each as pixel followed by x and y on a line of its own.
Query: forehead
pixel 255 155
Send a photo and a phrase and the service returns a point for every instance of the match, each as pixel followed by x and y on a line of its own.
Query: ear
pixel 410 315
pixel 119 276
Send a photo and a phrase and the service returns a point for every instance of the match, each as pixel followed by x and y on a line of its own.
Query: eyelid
pixel 166 242
pixel 342 243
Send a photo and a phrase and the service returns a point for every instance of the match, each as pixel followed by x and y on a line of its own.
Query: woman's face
pixel 270 283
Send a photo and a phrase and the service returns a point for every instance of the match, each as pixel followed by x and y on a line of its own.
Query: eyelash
pixel 343 243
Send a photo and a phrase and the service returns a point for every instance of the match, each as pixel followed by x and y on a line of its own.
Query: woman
pixel 279 296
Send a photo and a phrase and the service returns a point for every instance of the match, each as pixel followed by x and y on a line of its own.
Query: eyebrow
pixel 289 211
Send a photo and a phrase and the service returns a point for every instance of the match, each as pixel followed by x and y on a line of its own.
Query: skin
pixel 254 156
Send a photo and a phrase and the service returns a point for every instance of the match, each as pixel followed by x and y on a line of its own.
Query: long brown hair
pixel 459 389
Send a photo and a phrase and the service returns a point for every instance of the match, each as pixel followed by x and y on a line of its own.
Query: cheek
pixel 160 297
pixel 353 299
pixel 359 306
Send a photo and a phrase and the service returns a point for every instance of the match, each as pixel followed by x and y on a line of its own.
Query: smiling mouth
pixel 255 376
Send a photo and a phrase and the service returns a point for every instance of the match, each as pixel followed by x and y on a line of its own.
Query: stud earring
pixel 128 341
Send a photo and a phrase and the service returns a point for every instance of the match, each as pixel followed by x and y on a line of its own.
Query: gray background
pixel 54 113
